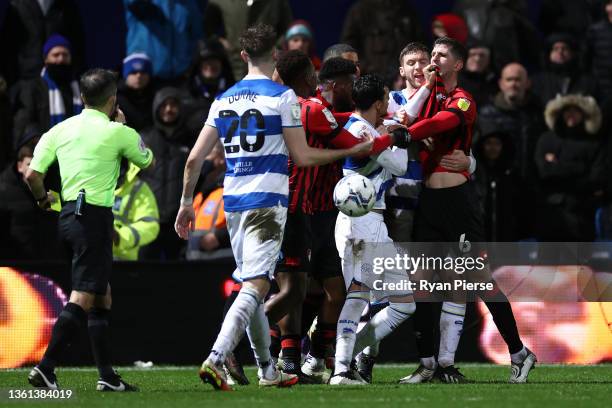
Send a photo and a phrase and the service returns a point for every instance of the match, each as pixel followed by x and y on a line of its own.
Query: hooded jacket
pixel 501 191
pixel 136 215
pixel 570 169
pixel 170 146
pixel 198 89
pixel 563 79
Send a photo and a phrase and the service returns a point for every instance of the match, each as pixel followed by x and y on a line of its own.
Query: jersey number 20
pixel 243 121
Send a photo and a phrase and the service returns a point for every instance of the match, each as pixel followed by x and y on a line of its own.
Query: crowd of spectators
pixel 542 88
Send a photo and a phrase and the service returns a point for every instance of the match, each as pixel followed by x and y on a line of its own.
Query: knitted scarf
pixel 57 110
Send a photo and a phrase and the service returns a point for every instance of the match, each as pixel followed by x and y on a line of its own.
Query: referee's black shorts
pixel 89 238
pixel 451 214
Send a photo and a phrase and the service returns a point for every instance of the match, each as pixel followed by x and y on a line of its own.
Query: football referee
pixel 88 148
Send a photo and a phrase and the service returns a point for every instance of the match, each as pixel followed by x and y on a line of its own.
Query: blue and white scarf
pixel 57 110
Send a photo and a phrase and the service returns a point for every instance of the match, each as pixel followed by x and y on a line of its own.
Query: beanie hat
pixel 298 29
pixel 55 40
pixel 137 62
pixel 454 25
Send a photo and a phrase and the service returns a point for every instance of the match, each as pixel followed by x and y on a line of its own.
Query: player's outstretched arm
pixel 185 219
pixel 440 123
pixel 345 139
pixel 305 156
pixel 396 160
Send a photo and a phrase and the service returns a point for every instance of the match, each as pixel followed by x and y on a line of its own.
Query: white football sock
pixel 372 350
pixel 451 326
pixel 347 327
pixel 258 331
pixel 234 324
pixel 382 324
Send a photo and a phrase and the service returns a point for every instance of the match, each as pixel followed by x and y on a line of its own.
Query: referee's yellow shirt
pixel 89 148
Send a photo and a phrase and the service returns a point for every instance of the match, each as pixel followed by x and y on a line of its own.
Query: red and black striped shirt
pixel 320 126
pixel 324 129
pixel 450 122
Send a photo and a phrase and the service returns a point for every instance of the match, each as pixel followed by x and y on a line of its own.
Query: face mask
pixel 60 73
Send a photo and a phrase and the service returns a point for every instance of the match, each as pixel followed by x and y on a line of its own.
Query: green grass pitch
pixel 549 386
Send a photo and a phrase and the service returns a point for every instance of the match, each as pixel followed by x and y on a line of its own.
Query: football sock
pixel 234 324
pixel 275 343
pixel 382 324
pixel 347 327
pixel 291 352
pixel 423 321
pixel 451 326
pixel 322 338
pixel 99 336
pixel 258 331
pixel 65 330
pixel 501 311
pixel 230 299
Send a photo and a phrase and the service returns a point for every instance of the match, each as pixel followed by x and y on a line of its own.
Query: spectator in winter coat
pixel 517 112
pixel 378 29
pixel 27 232
pixel 598 51
pixel 168 138
pixel 569 180
pixel 478 77
pixel 54 96
pixel 562 74
pixel 27 25
pixel 135 93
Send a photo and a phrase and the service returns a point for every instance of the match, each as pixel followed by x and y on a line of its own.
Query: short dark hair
pixel 368 89
pixel 337 50
pixel 258 40
pixel 336 67
pixel 24 151
pixel 411 48
pixel 455 47
pixel 97 85
pixel 293 66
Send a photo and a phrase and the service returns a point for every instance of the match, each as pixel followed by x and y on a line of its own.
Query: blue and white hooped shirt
pixel 250 117
pixel 380 168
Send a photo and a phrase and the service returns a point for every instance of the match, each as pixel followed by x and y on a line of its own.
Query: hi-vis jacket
pixel 136 216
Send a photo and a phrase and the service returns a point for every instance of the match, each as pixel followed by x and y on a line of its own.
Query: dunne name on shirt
pixel 246 94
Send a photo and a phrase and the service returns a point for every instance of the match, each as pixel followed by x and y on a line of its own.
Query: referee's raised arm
pixel 88 148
